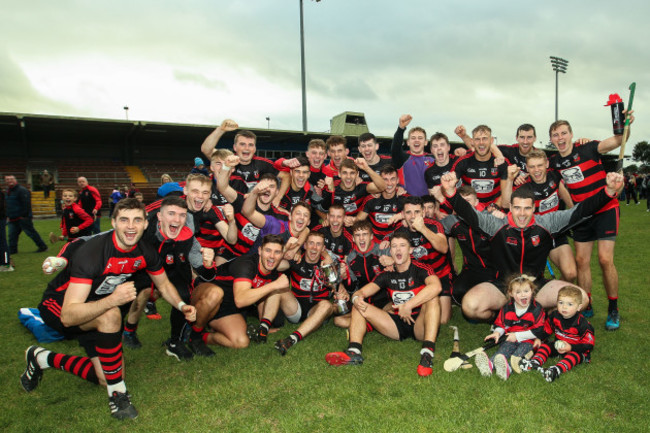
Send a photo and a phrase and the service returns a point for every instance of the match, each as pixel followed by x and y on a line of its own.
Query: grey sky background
pixel 444 62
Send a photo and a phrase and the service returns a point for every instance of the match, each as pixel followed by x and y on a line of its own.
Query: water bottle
pixel 618 119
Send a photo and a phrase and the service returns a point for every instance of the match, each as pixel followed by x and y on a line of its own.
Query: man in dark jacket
pixel 5 263
pixel 19 213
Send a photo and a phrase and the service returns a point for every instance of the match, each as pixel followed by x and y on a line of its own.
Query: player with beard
pixel 548 187
pixel 584 175
pixel 382 211
pixel 183 257
pixel 413 289
pixel 415 162
pixel 478 169
pixel 348 193
pixel 430 247
pixel 368 148
pixel 251 167
pixel 520 243
pixel 307 302
pixel 87 306
pixel 337 239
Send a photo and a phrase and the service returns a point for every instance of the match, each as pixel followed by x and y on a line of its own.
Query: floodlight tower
pixel 302 69
pixel 559 65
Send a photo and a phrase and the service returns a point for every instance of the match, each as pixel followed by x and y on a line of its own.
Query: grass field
pixel 258 390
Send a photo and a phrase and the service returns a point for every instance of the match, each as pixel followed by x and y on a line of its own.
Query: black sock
pixel 613 304
pixel 129 327
pixel 265 325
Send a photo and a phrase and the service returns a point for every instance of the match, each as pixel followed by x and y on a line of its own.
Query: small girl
pixel 522 321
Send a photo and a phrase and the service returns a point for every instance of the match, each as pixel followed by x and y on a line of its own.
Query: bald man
pixel 90 201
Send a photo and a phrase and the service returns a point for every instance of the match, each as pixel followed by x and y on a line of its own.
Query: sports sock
pixel 80 366
pixel 265 325
pixel 613 304
pixel 196 333
pixel 296 337
pixel 428 347
pixel 129 327
pixel 109 349
pixel 355 347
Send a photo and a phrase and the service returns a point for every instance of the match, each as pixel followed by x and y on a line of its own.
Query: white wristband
pixel 353 298
pixel 180 306
pixel 225 167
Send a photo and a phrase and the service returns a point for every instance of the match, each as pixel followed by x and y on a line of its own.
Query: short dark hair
pixel 302 161
pixel 525 191
pixel 438 136
pixel 173 200
pixel 367 136
pixel 335 140
pixel 401 234
pixel 555 125
pixel 247 134
pixel 272 239
pixel 272 177
pixel 128 204
pixel 430 199
pixel 526 127
pixel 413 199
pixel 302 203
pixel 387 169
pixel 361 225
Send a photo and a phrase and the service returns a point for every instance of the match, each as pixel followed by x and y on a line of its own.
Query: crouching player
pixel 413 289
pixel 87 306
pixel 574 337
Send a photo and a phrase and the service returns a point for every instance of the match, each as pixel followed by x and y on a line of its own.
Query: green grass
pixel 257 390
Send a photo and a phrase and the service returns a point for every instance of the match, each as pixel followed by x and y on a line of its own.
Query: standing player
pixel 415 162
pixel 478 169
pixel 89 306
pixel 368 148
pixel 584 176
pixel 413 289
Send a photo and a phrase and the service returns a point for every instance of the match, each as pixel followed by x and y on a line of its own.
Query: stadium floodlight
pixel 559 65
pixel 302 69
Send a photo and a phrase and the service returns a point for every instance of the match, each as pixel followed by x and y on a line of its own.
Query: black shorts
pixel 560 240
pixel 469 278
pixel 403 329
pixel 86 339
pixel 228 306
pixel 447 285
pixel 501 284
pixel 602 226
pixel 306 305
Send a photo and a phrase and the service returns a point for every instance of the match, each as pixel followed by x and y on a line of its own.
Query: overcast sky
pixel 444 62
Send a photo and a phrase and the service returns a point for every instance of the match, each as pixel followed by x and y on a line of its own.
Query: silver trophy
pixel 329 275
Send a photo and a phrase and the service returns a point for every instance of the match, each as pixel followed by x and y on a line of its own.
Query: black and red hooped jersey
pixel 292 197
pixel 363 267
pixel 532 319
pixel 402 286
pixel 547 198
pixel 301 275
pixel 576 330
pixel 252 172
pixel 380 210
pixel 245 268
pixel 433 174
pixel 423 250
pixel 383 161
pixel 483 176
pixel 512 154
pixel 583 172
pixel 340 245
pixel 352 201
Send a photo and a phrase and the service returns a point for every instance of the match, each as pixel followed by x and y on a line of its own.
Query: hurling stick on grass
pixel 455 352
pixel 453 364
pixel 626 130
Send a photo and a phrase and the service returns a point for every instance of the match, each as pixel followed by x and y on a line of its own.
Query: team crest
pixel 181 257
pixel 169 259
pixel 535 240
pixel 494 171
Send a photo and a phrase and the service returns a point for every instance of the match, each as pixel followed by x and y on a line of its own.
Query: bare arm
pixel 377 185
pixel 223 179
pixel 169 292
pixel 285 183
pixel 210 142
pixel 246 295
pixel 248 208
pixel 76 311
pixel 438 240
pixel 565 196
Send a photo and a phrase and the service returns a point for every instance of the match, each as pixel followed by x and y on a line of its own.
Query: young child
pixel 574 337
pixel 75 222
pixel 521 320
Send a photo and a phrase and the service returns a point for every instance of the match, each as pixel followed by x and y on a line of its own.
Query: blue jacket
pixel 19 203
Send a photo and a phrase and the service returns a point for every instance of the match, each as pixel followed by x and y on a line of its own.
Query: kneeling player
pixel 414 289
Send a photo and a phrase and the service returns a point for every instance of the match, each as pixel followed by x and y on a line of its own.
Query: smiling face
pixel 416 141
pixel 400 251
pixel 244 148
pixel 299 218
pixel 197 195
pixel 270 256
pixel 562 139
pixel 391 181
pixel 526 141
pixel 314 247
pixel 299 176
pixel 335 219
pixel 368 150
pixel 129 225
pixel 537 167
pixel 521 293
pixel 522 211
pixel 348 178
pixel 440 150
pixel 482 143
pixel 567 306
pixel 172 219
pixel 362 239
pixel 68 197
pixel 337 153
pixel 316 156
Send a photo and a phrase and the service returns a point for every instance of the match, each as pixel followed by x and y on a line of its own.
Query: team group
pixel 369 241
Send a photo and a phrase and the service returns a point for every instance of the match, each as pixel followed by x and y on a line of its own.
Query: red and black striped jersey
pixel 340 245
pixel 352 201
pixel 423 250
pixel 583 172
pixel 532 319
pixel 301 275
pixel 245 268
pixel 512 154
pixel 292 197
pixel 380 210
pixel 402 286
pixel 433 174
pixel 252 171
pixel 576 330
pixel 547 198
pixel 483 176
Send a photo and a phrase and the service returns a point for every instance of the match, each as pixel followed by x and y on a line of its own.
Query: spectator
pixel 91 202
pixel 168 186
pixel 47 182
pixel 116 196
pixel 199 167
pixel 19 213
pixel 132 191
pixel 5 261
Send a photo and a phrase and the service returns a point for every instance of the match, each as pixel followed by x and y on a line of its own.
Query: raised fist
pixel 404 120
pixel 228 125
